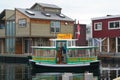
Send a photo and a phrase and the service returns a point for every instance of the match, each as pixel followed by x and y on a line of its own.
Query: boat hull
pixel 93 67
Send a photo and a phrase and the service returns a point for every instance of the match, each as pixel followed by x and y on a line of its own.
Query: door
pixel 18 46
pixel 61 52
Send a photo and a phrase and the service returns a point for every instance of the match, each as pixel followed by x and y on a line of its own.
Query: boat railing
pixel 50 60
pixel 74 60
pixel 45 53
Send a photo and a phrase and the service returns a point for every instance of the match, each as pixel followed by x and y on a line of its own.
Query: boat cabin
pixel 63 50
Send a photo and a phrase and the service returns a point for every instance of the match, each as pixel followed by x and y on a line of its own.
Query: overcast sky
pixel 82 10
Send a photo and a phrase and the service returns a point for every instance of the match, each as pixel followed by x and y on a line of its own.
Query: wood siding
pixel 9 13
pixel 2 33
pixel 67 28
pixel 41 28
pixel 105 32
pixel 22 31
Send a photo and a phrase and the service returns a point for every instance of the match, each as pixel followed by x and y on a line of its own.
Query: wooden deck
pixel 108 55
pixel 14 58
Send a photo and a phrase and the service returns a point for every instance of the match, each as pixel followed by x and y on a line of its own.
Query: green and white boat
pixel 65 56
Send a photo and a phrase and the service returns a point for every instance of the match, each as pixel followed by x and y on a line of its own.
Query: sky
pixel 79 10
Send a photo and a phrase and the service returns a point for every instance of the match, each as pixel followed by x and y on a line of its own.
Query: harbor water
pixel 20 71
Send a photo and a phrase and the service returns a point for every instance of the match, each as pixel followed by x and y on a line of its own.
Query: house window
pixel 55 26
pixel 22 23
pixel 2 26
pixel 118 44
pixel 98 26
pixel 114 25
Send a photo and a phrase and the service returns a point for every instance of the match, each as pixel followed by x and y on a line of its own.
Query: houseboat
pixel 64 56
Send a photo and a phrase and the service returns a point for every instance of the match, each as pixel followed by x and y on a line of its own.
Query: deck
pixel 14 58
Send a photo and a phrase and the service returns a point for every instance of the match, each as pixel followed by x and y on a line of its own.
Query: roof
pixel 47 5
pixel 5 16
pixel 63 39
pixel 2 14
pixel 106 17
pixel 11 17
pixel 40 15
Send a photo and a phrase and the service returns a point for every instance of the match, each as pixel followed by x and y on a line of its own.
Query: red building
pixel 82 31
pixel 106 33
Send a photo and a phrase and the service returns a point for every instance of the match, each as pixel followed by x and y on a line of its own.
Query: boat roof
pixel 81 47
pixel 63 39
pixel 44 47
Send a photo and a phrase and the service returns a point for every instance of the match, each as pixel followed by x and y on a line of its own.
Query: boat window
pixel 69 43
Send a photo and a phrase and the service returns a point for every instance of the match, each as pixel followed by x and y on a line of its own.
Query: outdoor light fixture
pixel 66 23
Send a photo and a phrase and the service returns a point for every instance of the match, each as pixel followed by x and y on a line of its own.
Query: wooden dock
pixel 14 58
pixel 108 55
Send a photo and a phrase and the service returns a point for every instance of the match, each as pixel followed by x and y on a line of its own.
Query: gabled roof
pixel 11 17
pixel 106 17
pixel 7 14
pixel 40 15
pixel 46 5
pixel 2 14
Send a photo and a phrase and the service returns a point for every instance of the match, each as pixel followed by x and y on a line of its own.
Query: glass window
pixel 112 45
pixel 111 25
pixel 55 26
pixel 98 26
pixel 26 44
pixel 22 23
pixel 10 45
pixel 2 26
pixel 104 46
pixel 10 28
pixel 118 44
pixel 114 25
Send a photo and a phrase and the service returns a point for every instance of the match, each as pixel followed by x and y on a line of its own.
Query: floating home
pixel 106 33
pixel 20 28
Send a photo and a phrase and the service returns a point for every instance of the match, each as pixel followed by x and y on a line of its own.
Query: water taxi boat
pixel 64 56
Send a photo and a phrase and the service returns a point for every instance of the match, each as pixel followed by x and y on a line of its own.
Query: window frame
pixel 97 24
pixel 23 24
pixel 113 24
pixel 53 24
pixel 2 26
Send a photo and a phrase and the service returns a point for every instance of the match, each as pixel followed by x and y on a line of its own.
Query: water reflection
pixel 10 71
pixel 58 76
pixel 47 76
pixel 14 71
pixel 110 69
